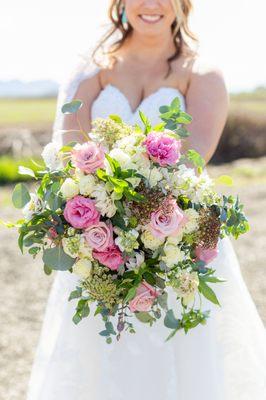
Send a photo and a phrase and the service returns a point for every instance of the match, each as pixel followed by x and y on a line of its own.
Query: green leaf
pixel 175 104
pixel 47 270
pixel 144 317
pixel 77 318
pixel 118 220
pixel 57 259
pixel 212 279
pixel 116 118
pixel 224 180
pixel 162 300
pixel 170 320
pixel 85 311
pixel 207 292
pixel 145 121
pixel 183 132
pixel 110 328
pixel 72 107
pixel 75 294
pixel 20 196
pixel 196 159
pixel 26 171
pixel 164 109
pixel 130 294
pixel 184 118
pixel 101 174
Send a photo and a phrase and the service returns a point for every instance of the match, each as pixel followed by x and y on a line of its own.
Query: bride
pixel 151 63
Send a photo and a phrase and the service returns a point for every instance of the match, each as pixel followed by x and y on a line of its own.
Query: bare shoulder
pixel 206 77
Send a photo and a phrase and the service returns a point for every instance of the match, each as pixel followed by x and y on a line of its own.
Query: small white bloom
pixel 193 217
pixel 85 251
pixel 173 255
pixel 34 206
pixel 150 241
pixel 104 201
pixel 123 158
pixel 69 188
pixel 188 283
pixel 82 268
pixel 52 157
pixel 86 184
pixel 135 261
pixel 71 245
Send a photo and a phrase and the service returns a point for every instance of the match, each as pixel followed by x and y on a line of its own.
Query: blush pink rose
pixel 144 298
pixel 81 212
pixel 206 255
pixel 99 236
pixel 88 157
pixel 111 257
pixel 162 148
pixel 167 220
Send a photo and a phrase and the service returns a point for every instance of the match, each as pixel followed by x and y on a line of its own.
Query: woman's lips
pixel 151 19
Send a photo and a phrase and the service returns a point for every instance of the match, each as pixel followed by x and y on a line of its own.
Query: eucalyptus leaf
pixel 72 107
pixel 170 320
pixel 144 317
pixel 20 196
pixel 57 259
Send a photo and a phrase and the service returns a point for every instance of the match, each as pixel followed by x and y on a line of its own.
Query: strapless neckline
pixel 145 99
pixel 111 100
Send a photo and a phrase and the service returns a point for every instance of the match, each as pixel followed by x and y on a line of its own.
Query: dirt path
pixel 24 287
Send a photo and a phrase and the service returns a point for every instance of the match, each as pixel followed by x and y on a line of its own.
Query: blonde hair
pixel 180 30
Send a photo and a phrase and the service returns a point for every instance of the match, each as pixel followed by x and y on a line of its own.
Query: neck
pixel 152 48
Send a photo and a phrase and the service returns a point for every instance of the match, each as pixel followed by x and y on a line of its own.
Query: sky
pixel 41 39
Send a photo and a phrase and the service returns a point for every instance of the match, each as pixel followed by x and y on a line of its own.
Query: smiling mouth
pixel 151 19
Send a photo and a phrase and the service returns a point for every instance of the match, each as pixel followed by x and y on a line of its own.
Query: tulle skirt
pixel 223 360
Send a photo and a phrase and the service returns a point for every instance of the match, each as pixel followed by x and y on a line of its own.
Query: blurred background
pixel 41 41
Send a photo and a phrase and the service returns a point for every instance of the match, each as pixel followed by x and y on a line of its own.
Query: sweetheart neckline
pixel 134 112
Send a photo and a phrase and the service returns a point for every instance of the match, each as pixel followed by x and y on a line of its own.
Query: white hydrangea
pixel 104 202
pixel 176 239
pixel 86 184
pixel 123 158
pixel 52 157
pixel 151 242
pixel 127 240
pixel 172 255
pixel 82 268
pixel 34 206
pixel 193 220
pixel 69 189
pixel 188 283
pixel 71 245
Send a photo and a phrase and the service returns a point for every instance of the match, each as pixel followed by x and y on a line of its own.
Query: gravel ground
pixel 24 287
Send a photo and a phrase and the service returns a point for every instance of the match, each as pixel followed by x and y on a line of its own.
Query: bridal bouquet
pixel 134 218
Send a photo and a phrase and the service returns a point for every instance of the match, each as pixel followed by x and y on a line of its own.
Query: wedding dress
pixel 223 360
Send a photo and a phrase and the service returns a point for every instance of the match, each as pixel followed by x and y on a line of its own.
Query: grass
pixel 21 112
pixel 32 112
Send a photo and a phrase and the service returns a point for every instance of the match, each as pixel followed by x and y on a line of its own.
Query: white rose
pixel 82 268
pixel 86 185
pixel 123 158
pixel 150 241
pixel 173 255
pixel 34 206
pixel 176 239
pixel 52 157
pixel 69 189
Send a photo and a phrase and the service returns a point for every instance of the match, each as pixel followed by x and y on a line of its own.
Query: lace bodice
pixel 112 101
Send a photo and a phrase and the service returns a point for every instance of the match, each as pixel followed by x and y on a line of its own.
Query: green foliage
pixel 20 196
pixel 174 118
pixel 57 259
pixel 207 291
pixel 72 107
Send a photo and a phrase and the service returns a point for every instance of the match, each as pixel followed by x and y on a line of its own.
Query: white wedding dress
pixel 224 360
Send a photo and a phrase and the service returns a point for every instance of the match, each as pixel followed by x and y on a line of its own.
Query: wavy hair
pixel 180 30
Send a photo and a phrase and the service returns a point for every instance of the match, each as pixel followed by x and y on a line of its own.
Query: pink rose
pixel 144 298
pixel 167 220
pixel 88 157
pixel 81 212
pixel 163 148
pixel 111 257
pixel 99 236
pixel 206 255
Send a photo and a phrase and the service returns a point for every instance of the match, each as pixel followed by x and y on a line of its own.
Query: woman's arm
pixel 207 102
pixel 87 91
